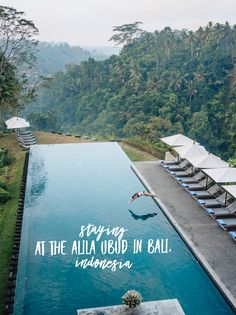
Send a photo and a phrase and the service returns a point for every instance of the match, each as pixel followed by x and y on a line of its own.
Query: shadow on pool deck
pixel 213 246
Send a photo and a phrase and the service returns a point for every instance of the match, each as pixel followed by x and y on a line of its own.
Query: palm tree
pixel 135 76
pixel 191 91
pixel 175 84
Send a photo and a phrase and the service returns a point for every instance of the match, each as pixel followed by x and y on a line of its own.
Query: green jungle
pixel 161 83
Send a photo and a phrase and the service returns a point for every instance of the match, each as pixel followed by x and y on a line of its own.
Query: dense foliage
pixel 4 161
pixel 161 83
pixel 52 57
pixel 17 47
pixel 4 158
pixel 10 86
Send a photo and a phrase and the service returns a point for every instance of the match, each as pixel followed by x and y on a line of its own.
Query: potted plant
pixel 132 298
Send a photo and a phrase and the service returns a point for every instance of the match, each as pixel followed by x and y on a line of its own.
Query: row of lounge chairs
pixel 25 139
pixel 219 204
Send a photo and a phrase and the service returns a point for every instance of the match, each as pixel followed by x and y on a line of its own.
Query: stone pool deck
pixel 165 307
pixel 211 244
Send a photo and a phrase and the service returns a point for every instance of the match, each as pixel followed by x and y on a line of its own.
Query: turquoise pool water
pixel 73 185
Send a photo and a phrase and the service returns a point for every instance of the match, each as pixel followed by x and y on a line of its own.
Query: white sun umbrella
pixel 223 175
pixel 14 119
pixel 230 189
pixel 208 161
pixel 192 150
pixel 18 124
pixel 177 140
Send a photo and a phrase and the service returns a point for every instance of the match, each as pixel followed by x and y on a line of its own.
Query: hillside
pixel 161 83
pixel 53 57
pixel 105 50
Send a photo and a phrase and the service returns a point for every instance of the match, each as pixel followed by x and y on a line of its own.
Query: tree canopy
pixel 164 82
pixel 53 57
pixel 125 34
pixel 17 57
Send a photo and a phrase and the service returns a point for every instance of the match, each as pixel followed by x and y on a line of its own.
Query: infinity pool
pixel 76 195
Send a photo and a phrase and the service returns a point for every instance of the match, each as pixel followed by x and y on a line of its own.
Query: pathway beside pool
pixel 165 307
pixel 213 246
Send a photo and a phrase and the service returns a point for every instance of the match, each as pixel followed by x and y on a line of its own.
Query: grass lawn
pixel 49 138
pixel 135 154
pixel 12 175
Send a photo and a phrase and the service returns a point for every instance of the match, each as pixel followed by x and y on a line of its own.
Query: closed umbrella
pixel 177 140
pixel 208 161
pixel 192 150
pixel 223 175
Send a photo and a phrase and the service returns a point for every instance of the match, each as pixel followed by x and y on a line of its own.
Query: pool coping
pixel 206 266
pixel 161 307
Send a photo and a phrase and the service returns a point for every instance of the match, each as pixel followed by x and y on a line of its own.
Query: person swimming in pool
pixel 139 194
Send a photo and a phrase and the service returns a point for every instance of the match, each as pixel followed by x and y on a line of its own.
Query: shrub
pixel 4 157
pixel 132 298
pixel 3 185
pixel 232 162
pixel 4 195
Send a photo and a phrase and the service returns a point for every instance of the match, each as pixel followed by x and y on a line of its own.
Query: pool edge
pixel 211 273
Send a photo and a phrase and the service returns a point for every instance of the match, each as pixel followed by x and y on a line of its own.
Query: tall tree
pixel 126 33
pixel 9 85
pixel 17 34
pixel 17 48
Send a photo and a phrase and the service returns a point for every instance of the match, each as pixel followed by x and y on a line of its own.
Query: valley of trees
pixel 52 57
pixel 23 60
pixel 162 83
